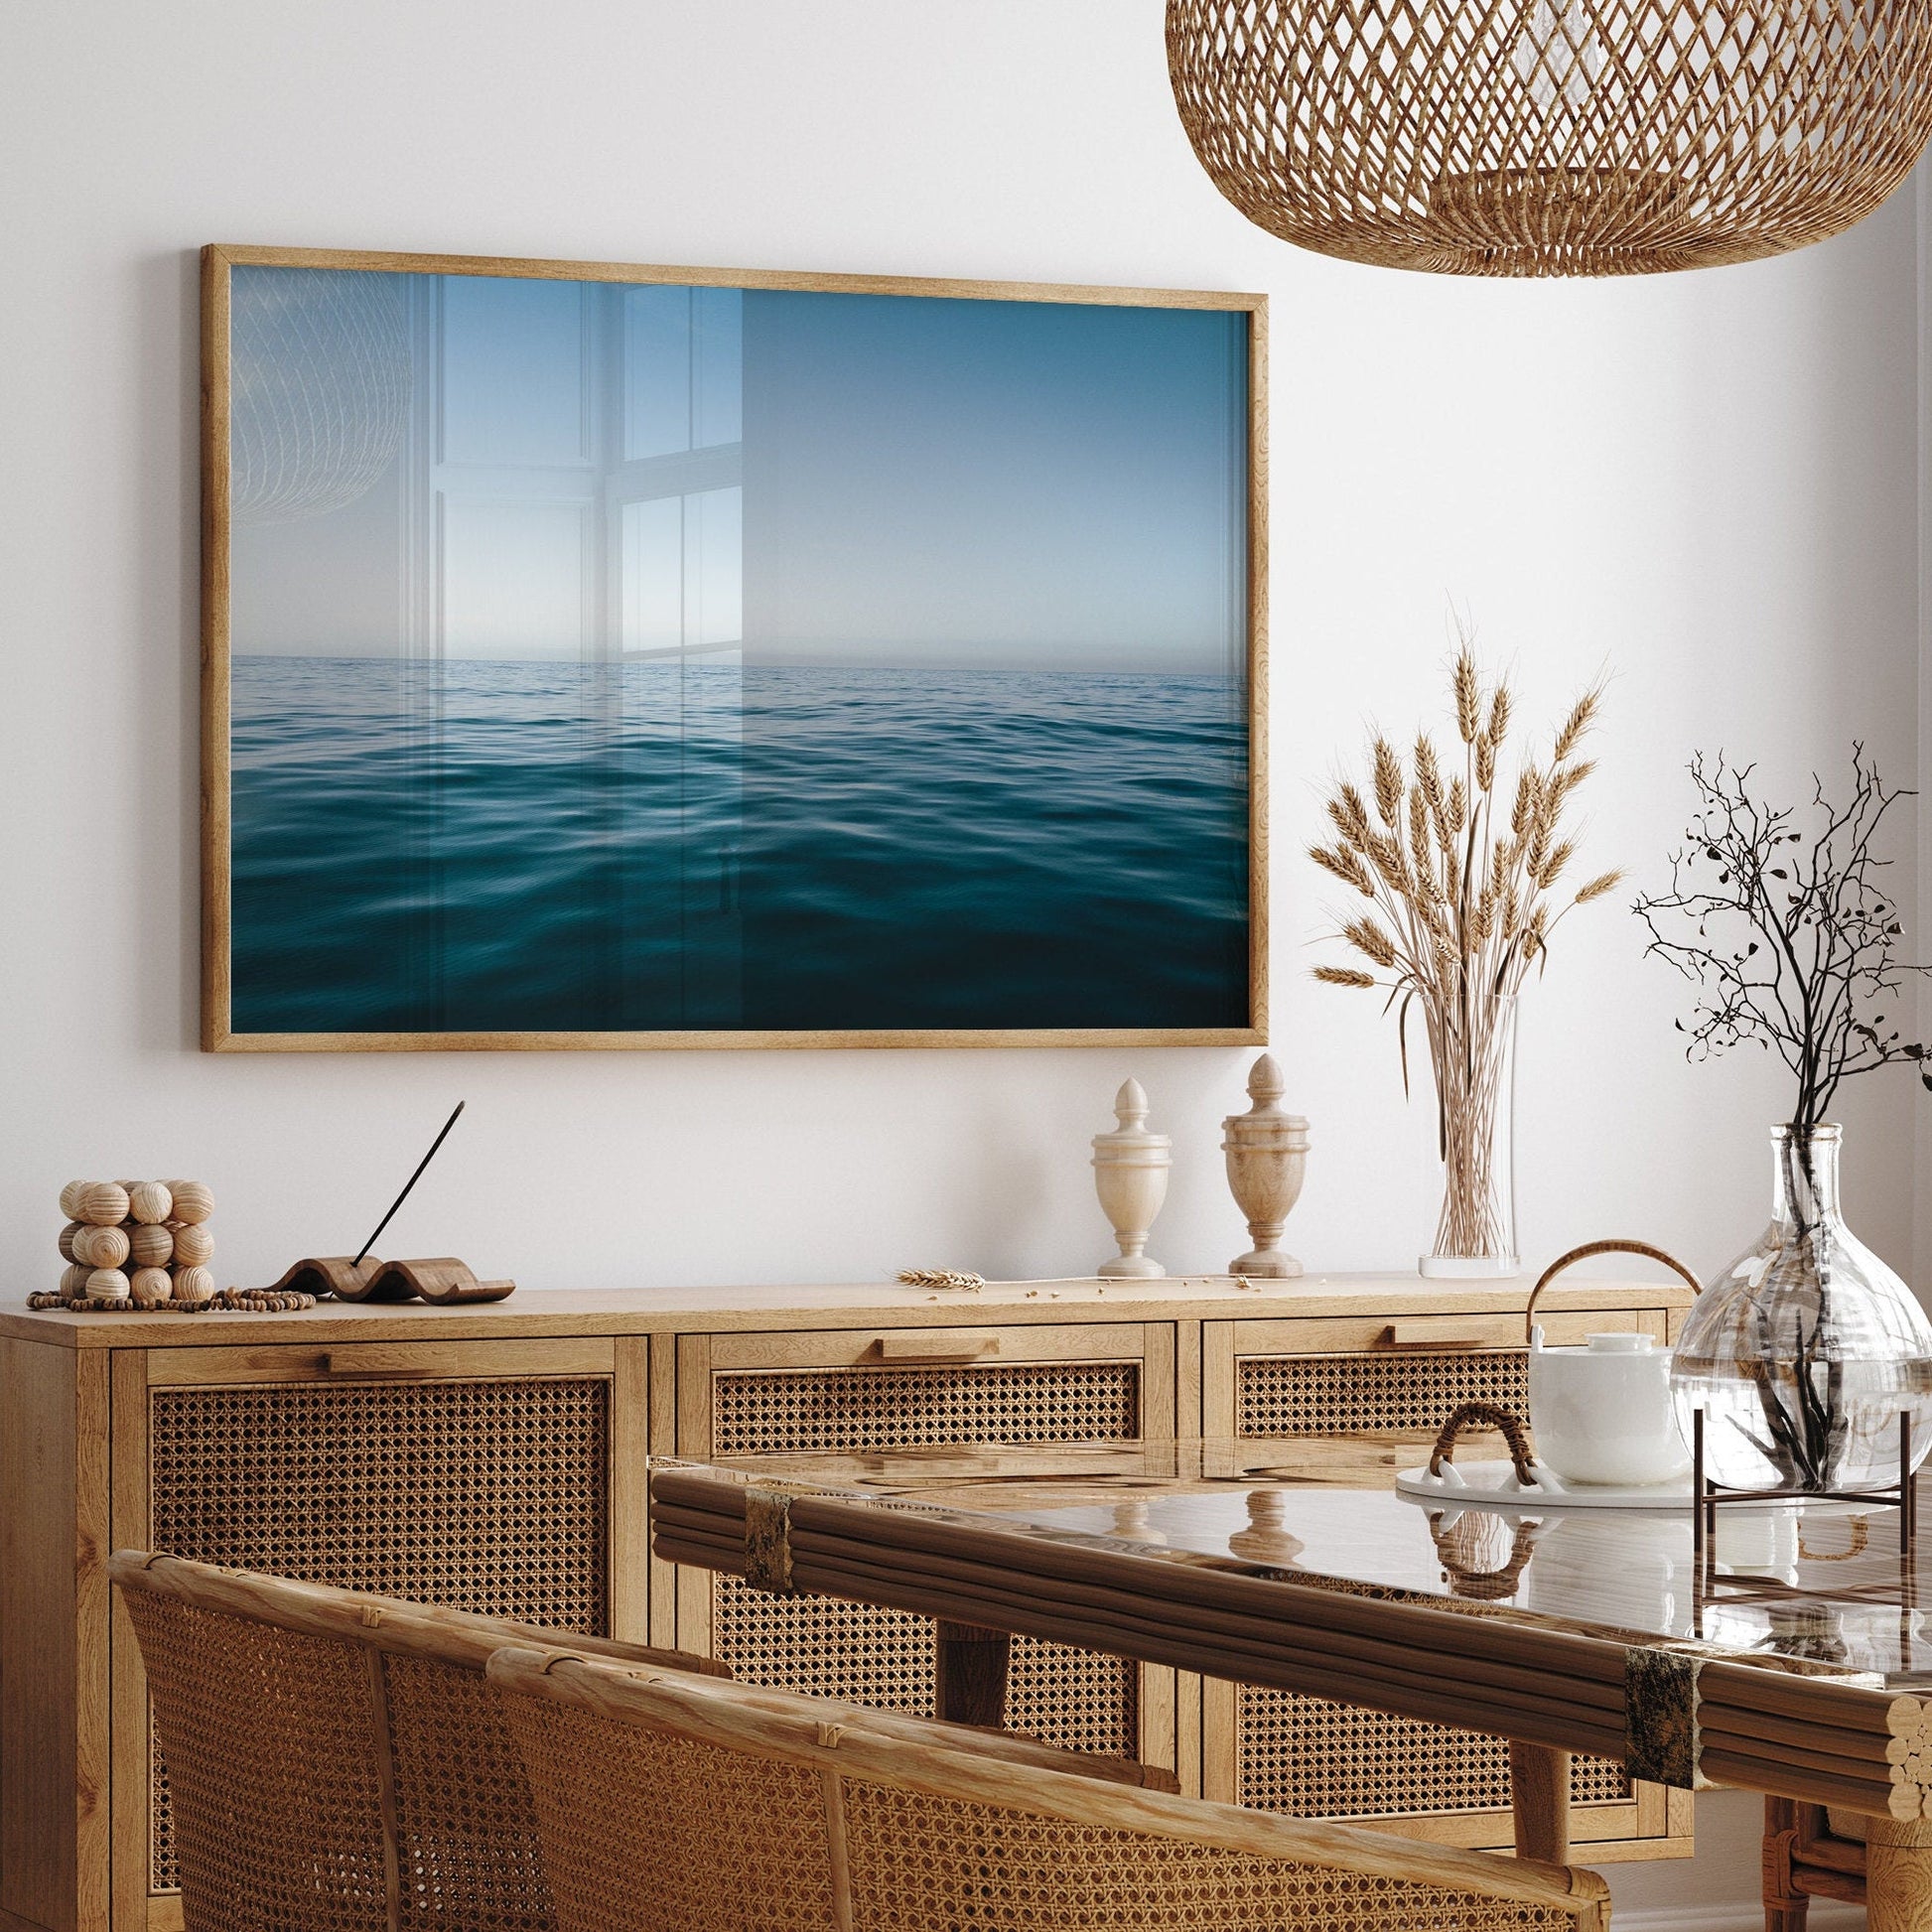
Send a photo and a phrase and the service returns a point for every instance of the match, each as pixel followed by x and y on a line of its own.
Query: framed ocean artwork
pixel 604 656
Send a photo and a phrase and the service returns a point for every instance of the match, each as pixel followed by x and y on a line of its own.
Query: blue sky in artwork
pixel 1040 485
pixel 926 483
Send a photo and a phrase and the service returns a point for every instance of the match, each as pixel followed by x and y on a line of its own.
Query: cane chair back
pixel 675 1805
pixel 337 1760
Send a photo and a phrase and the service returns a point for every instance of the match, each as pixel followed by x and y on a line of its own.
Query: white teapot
pixel 1603 1414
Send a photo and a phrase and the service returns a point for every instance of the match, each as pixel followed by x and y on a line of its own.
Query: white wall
pixel 1703 482
pixel 1921 1193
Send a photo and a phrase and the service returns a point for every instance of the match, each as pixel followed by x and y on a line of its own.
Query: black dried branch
pixel 1806 1425
pixel 1790 935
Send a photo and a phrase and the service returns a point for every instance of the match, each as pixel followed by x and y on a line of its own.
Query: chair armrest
pixel 1020 1747
pixel 457 1637
pixel 542 1637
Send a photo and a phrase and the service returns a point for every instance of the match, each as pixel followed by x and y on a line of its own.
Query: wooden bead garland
pixel 261 1300
pixel 143 1244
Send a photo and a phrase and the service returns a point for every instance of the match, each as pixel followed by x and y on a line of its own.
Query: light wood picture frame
pixel 609 656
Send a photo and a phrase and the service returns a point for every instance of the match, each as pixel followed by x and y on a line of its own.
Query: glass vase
pixel 1803 1353
pixel 1472 1052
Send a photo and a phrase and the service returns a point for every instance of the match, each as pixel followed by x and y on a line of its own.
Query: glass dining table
pixel 1783 1653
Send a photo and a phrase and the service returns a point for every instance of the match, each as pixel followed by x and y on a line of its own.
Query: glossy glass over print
pixel 650 659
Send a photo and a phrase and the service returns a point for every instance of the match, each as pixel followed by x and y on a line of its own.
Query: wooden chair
pixel 670 1804
pixel 337 1761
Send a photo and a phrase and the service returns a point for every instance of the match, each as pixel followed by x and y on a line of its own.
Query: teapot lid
pixel 1625 1342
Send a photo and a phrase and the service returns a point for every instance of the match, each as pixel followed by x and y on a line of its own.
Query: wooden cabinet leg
pixel 1898 1875
pixel 971 1667
pixel 1538 1795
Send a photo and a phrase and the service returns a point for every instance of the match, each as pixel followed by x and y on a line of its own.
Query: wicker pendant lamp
pixel 1554 137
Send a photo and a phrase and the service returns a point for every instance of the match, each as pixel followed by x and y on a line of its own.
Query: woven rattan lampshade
pixel 1554 137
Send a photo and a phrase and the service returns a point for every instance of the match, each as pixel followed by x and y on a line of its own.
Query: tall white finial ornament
pixel 1267 1151
pixel 1130 1173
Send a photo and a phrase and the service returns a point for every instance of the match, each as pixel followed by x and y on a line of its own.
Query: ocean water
pixel 691 844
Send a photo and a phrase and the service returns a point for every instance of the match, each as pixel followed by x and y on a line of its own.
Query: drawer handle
pixel 915 1349
pixel 1425 1334
pixel 364 1367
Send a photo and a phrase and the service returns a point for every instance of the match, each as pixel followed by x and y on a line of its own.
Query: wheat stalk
pixel 1388 781
pixel 1461 909
pixel 958 1279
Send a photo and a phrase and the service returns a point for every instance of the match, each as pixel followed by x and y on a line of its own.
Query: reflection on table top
pixel 1823 1583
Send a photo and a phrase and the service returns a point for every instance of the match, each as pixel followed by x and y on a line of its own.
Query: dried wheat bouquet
pixel 1462 874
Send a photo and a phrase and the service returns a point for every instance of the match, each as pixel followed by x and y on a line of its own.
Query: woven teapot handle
pixel 1485 1415
pixel 1590 1248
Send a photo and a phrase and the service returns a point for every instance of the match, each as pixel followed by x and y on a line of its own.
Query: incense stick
pixel 413 1179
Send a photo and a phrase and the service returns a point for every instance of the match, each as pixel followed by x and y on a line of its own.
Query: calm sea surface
pixel 685 844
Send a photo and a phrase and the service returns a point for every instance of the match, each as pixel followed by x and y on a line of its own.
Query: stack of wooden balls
pixel 144 1241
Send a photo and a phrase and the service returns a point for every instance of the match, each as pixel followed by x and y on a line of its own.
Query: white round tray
pixel 1493 1485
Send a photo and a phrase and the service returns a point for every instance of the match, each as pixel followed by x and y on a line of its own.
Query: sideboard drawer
pixel 1279 1751
pixel 964 1344
pixel 382 1361
pixel 1380 1375
pixel 899 1388
pixel 896 1388
pixel 1386 1393
pixel 1400 1332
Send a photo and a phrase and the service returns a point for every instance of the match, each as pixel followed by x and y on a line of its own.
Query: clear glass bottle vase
pixel 1803 1353
pixel 1472 1053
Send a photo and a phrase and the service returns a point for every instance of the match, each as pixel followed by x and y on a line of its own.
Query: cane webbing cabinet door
pixel 852 1389
pixel 1397 1377
pixel 487 1476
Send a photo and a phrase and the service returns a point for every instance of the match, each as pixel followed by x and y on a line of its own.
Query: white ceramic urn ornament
pixel 1267 1151
pixel 1130 1173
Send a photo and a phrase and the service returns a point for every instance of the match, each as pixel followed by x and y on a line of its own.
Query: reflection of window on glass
pixel 681 575
pixel 578 502
pixel 679 483
pixel 677 503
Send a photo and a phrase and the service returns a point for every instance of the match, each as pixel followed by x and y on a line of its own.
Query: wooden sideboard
pixel 492 1457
